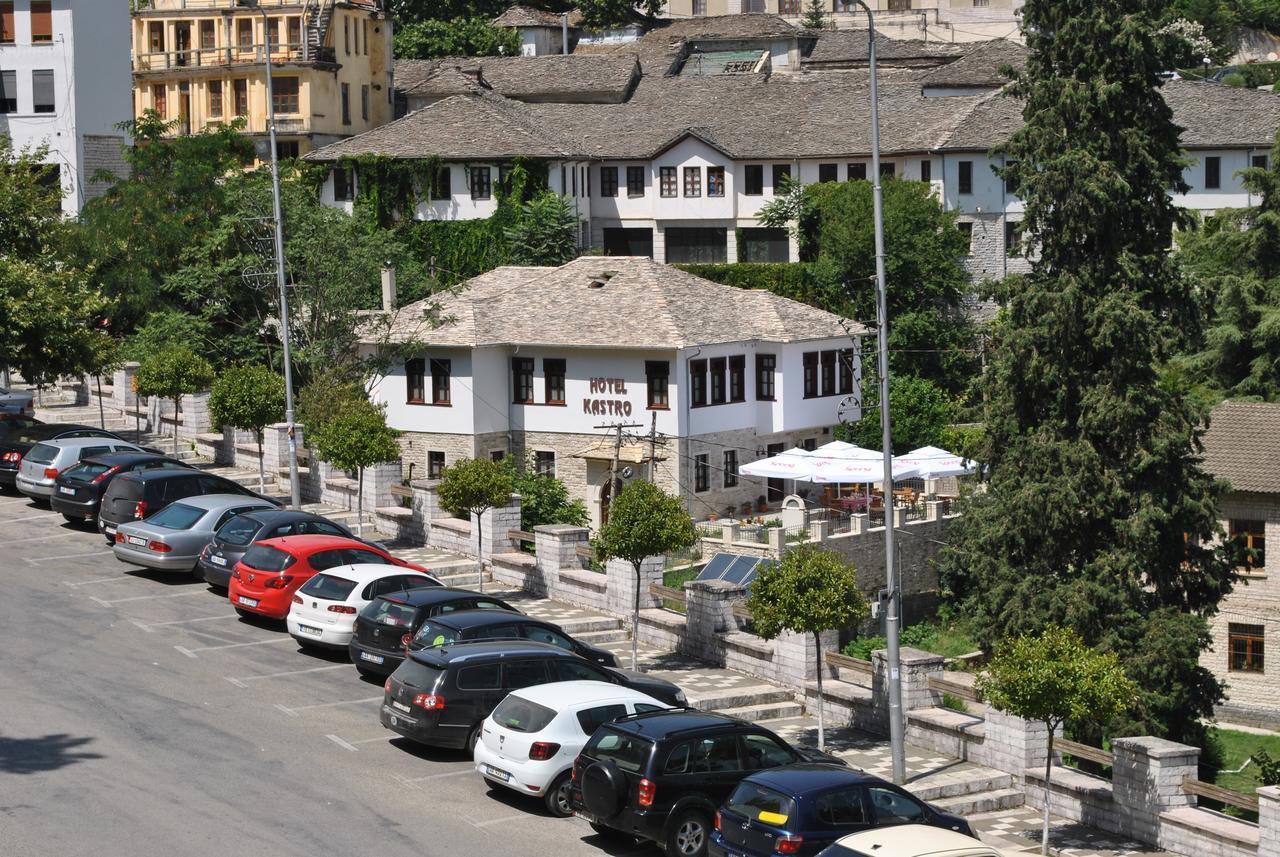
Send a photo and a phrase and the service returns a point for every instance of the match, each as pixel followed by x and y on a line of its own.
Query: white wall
pixel 693 153
pixel 460 205
pixel 1230 192
pixel 988 195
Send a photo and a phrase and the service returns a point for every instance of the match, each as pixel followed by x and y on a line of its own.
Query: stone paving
pixel 1017 831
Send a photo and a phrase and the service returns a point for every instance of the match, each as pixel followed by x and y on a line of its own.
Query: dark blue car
pixel 801 809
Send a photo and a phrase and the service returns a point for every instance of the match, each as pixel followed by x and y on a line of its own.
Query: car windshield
pixel 267 558
pixel 85 471
pixel 433 634
pixel 238 531
pixel 521 715
pixel 42 453
pixel 177 516
pixel 386 612
pixel 416 675
pixel 761 804
pixel 328 587
pixel 628 752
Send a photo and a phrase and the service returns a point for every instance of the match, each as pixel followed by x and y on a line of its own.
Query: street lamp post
pixel 295 492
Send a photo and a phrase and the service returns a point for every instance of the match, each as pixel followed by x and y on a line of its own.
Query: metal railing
pixel 215 57
pixel 180 5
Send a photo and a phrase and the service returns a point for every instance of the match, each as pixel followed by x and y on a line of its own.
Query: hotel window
pixel 810 374
pixel 1252 536
pixel 6 24
pixel 657 374
pixel 857 172
pixel 926 171
pixel 344 185
pixel 826 172
pixel 738 378
pixel 697 383
pixel 753 180
pixel 715 181
pixel 846 371
pixel 1258 162
pixel 1008 180
pixel 608 181
pixel 284 95
pixel 1011 245
pixel 730 468
pixel 208 36
pixel 346 36
pixel 286 149
pixel 441 185
pixel 346 104
pixel 965 181
pixel 828 373
pixel 522 380
pixel 1245 647
pixel 415 381
pixel 966 229
pixel 693 181
pixel 42 98
pixel 701 473
pixel 694 244
pixel 717 380
pixel 435 465
pixel 365 40
pixel 781 172
pixel 1212 172
pixel 244 33
pixel 497 455
pixel 544 463
pixel 766 366
pixel 364 102
pixel 699 7
pixel 215 99
pixel 155 37
pixel 294 30
pixel 889 169
pixel 481 183
pixel 441 372
pixel 635 181
pixel 240 92
pixel 159 99
pixel 553 381
pixel 273 33
pixel 8 92
pixel 41 22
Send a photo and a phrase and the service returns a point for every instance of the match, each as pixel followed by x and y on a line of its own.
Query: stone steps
pixel 599 638
pixel 960 783
pixel 765 711
pixel 987 801
pixel 739 697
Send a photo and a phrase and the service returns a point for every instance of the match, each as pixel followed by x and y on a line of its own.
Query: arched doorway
pixel 606 494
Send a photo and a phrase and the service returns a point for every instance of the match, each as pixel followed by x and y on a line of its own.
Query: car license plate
pixel 377 659
pixel 136 540
pixel 307 629
pixel 218 560
pixel 108 529
pixel 400 706
pixel 248 602
pixel 497 773
pixel 62 489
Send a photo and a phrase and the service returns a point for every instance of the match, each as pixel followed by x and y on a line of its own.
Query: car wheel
pixel 687 834
pixel 608 832
pixel 72 519
pixel 473 739
pixel 557 796
pixel 245 614
pixel 365 672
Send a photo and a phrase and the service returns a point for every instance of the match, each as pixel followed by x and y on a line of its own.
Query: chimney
pixel 389 289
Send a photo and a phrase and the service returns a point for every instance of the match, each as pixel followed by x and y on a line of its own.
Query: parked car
pixel 801 809
pixel 441 696
pixel 264 580
pixel 385 627
pixel 662 776
pixel 46 460
pixel 172 539
pixel 79 489
pixel 909 840
pixel 12 422
pixel 17 402
pixel 469 625
pixel 529 742
pixel 323 612
pixel 132 496
pixel 16 443
pixel 230 543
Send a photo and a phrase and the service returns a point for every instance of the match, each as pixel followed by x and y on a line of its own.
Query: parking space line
pixel 31 539
pixel 35 560
pixel 240 681
pixel 343 744
pixel 493 821
pixel 231 645
pixel 14 500
pixel 148 597
pixel 147 626
pixel 42 516
pixel 470 769
pixel 115 579
pixel 293 712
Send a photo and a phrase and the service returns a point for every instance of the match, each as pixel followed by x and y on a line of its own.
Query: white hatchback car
pixel 529 742
pixel 324 608
pixel 908 840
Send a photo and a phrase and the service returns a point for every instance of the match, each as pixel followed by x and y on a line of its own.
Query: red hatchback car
pixel 264 580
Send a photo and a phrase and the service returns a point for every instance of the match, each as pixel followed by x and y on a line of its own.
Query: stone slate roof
pixel 1242 446
pixel 641 304
pixel 450 80
pixel 848 48
pixel 1213 115
pixel 980 67
pixel 554 76
pixel 526 16
pixel 661 45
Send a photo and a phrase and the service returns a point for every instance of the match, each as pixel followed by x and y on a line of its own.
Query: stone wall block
pixel 620 578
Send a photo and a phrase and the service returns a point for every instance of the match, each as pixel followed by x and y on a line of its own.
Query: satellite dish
pixel 627 472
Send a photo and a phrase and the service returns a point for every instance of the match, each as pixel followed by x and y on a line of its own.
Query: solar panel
pixel 716 568
pixel 760 566
pixel 741 569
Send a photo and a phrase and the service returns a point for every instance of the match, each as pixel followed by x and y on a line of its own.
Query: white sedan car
pixel 324 609
pixel 529 742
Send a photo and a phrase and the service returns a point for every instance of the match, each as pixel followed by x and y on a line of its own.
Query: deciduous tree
pixel 170 374
pixel 250 398
pixel 545 234
pixel 355 438
pixel 473 486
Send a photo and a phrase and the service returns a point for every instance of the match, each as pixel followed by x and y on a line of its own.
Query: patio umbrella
pixel 794 463
pixel 861 469
pixel 932 462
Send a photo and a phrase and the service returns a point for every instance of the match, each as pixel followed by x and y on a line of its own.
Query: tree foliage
pixel 1098 515
pixel 920 412
pixel 544 499
pixel 355 438
pixel 546 233
pixel 815 16
pixel 171 373
pixel 595 13
pixel 473 485
pixel 456 37
pixel 251 398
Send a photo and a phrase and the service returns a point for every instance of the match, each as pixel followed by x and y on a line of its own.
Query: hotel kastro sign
pixel 607 407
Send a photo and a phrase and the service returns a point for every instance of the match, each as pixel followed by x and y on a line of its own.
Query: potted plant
pixel 762 505
pixel 712 517
pixel 746 508
pixel 729 510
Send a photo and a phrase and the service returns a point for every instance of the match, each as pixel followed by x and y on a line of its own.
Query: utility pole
pixel 653 443
pixel 615 488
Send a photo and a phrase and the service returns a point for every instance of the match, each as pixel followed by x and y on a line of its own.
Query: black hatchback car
pixel 78 490
pixel 387 624
pixel 662 775
pixel 441 696
pixel 801 809
pixel 471 625
pixel 16 443
pixel 136 495
pixel 237 535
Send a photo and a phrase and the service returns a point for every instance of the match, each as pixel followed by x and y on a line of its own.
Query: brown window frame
pixel 829 381
pixel 415 381
pixel 657 377
pixel 731 468
pixel 701 473
pixel 719 380
pixel 544 462
pixel 753 180
pixel 215 99
pixel 8 23
pixel 766 377
pixel 344 184
pixel 441 386
pixel 44 36
pixel 828 173
pixel 442 183
pixel 522 380
pixel 553 380
pixel 160 99
pixel 737 378
pixel 964 177
pixel 668 186
pixel 286 102
pixel 435 464
pixel 715 182
pixel 844 385
pixel 1246 647
pixel 244 26
pixel 692 182
pixel 1252 535
pixel 635 182
pixel 240 96
pixel 697 383
pixel 608 181
pixel 810 362
pixel 208 36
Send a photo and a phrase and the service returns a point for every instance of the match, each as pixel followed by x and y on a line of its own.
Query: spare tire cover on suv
pixel 604 789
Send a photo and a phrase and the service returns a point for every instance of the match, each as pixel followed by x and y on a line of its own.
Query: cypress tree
pixel 1099 516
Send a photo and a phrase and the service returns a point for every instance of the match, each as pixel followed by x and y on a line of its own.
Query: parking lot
pixel 139 713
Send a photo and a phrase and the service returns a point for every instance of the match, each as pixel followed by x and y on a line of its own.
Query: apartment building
pixel 201 62
pixel 64 84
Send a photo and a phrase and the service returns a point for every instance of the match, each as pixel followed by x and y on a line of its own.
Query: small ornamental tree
pixel 473 486
pixel 249 398
pixel 354 439
pixel 169 374
pixel 1054 678
pixel 815 16
pixel 644 521
pixel 546 233
pixel 544 499
pixel 810 591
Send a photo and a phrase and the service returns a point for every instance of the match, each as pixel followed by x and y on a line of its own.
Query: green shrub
pixel 955 703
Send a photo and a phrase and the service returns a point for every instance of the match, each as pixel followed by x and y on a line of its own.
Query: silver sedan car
pixel 17 402
pixel 172 539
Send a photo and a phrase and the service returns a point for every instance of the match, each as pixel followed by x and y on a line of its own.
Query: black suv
pixel 662 775
pixel 442 696
pixel 470 625
pixel 78 490
pixel 135 495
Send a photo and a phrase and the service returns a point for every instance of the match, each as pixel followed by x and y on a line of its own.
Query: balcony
pixel 144 6
pixel 231 55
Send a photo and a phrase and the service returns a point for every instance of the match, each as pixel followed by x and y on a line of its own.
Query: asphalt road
pixel 139 715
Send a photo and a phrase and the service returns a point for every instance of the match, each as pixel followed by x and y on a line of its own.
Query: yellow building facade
pixel 201 62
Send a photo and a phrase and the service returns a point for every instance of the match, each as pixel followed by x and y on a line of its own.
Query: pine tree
pixel 1099 515
pixel 815 16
